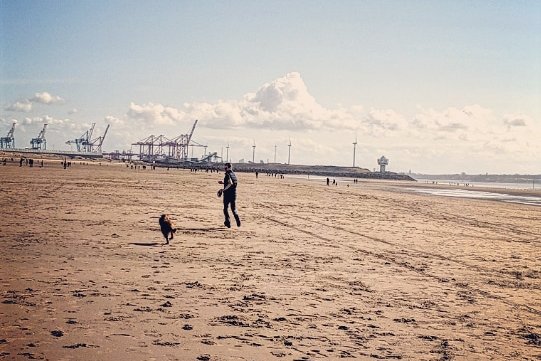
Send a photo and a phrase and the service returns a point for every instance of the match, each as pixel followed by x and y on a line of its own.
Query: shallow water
pixel 517 185
pixel 461 193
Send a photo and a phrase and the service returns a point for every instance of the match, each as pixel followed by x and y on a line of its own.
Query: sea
pixel 472 193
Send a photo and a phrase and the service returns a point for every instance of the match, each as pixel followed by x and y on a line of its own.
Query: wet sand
pixel 315 272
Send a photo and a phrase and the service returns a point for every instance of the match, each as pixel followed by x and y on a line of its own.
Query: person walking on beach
pixel 229 193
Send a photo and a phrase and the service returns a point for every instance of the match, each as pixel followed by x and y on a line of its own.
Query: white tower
pixel 383 162
pixel 354 149
pixel 289 153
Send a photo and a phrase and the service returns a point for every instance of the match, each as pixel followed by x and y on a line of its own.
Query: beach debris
pixel 57 333
pixel 532 337
pixel 165 343
pixel 255 297
pixel 78 293
pixel 232 320
pixel 194 284
pixel 76 345
pixel 404 320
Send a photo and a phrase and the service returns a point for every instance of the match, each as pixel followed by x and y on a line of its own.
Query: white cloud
pixel 114 120
pixel 155 113
pixel 46 119
pixel 24 106
pixel 283 104
pixel 448 138
pixel 380 120
pixel 46 98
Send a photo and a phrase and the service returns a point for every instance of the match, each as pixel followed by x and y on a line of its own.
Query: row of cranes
pixel 84 143
pixel 38 143
pixel 152 148
pixel 160 148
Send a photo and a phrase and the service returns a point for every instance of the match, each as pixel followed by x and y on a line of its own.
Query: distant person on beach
pixel 229 193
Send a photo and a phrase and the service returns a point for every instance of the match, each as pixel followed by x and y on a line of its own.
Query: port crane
pixel 8 141
pixel 86 144
pixel 40 143
pixel 152 147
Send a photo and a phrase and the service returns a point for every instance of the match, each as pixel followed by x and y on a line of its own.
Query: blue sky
pixel 435 86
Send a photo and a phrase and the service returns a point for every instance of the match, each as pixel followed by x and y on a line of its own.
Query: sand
pixel 365 272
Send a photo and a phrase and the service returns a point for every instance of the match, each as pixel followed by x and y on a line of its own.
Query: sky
pixel 434 86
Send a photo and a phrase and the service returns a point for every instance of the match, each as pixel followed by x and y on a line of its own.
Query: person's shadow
pixel 146 244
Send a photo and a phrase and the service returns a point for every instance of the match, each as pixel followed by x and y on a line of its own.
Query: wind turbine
pixel 354 149
pixel 289 152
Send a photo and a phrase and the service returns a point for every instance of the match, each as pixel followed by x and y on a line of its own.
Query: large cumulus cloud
pixel 283 104
pixel 26 105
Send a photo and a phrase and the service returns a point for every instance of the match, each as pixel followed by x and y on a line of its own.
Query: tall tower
pixel 383 162
pixel 289 153
pixel 354 149
pixel 253 153
pixel 227 154
pixel 275 153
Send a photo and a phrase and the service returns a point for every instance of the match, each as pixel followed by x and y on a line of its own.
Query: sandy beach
pixel 368 271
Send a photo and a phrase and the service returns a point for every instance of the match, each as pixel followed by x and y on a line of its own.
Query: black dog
pixel 167 227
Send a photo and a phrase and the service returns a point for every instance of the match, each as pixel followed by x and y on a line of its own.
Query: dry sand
pixel 364 272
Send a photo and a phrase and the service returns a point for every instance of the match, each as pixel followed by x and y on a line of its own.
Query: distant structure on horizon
pixel 40 143
pixel 289 153
pixel 164 150
pixel 383 162
pixel 85 143
pixel 354 151
pixel 8 141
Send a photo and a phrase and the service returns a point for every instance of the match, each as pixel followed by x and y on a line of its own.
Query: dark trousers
pixel 229 201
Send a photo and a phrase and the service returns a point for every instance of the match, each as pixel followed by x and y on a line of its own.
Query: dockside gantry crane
pixel 40 143
pixel 86 144
pixel 83 142
pixel 8 141
pixel 152 147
